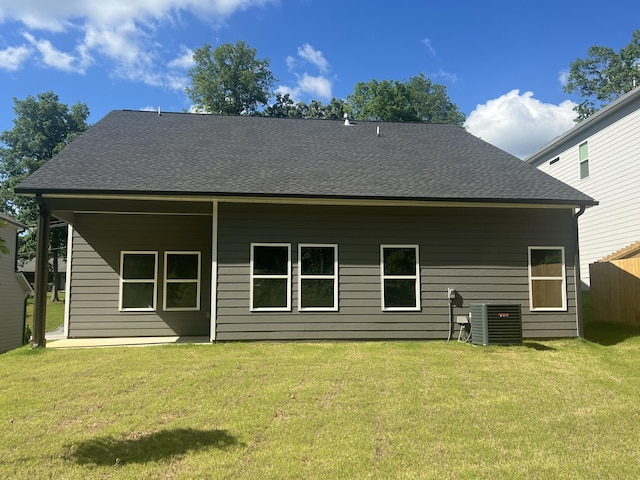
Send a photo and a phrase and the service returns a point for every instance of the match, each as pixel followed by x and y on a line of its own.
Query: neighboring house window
pixel 181 281
pixel 317 277
pixel 547 282
pixel 583 150
pixel 271 276
pixel 400 277
pixel 138 281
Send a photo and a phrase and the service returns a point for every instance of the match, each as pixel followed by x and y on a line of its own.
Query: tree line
pixel 231 80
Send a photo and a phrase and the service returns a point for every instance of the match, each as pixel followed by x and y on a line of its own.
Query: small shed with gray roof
pixel 254 228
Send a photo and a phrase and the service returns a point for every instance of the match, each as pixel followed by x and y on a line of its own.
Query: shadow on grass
pixel 149 447
pixel 608 334
pixel 538 346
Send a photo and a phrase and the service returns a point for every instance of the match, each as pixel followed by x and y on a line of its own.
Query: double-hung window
pixel 400 277
pixel 181 281
pixel 583 153
pixel 547 281
pixel 270 277
pixel 317 277
pixel 138 281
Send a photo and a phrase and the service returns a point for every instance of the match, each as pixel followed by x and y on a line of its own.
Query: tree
pixel 229 79
pixel 335 109
pixel 418 100
pixel 285 107
pixel 42 127
pixel 316 109
pixel 3 246
pixel 282 108
pixel 604 75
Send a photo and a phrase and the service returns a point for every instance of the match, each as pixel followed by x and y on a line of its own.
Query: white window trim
pixel 166 281
pixel 123 281
pixel 532 278
pixel 582 161
pixel 287 276
pixel 333 277
pixel 415 276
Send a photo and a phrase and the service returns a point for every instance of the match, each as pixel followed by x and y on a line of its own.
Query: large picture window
pixel 400 277
pixel 181 281
pixel 138 281
pixel 270 277
pixel 317 277
pixel 547 281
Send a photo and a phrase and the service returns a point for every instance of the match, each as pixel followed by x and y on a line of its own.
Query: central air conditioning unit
pixel 496 324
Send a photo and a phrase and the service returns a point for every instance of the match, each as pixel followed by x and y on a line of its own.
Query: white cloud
pixel 57 59
pixel 120 31
pixel 520 124
pixel 307 86
pixel 293 92
pixel 427 43
pixel 176 82
pixel 291 62
pixel 313 87
pixel 563 77
pixel 311 55
pixel 444 75
pixel 124 43
pixel 184 61
pixel 64 14
pixel 12 58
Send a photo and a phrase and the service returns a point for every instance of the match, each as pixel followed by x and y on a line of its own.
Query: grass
pixel 55 312
pixel 368 410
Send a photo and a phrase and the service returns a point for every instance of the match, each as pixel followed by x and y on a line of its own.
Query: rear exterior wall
pixel 481 252
pixel 95 268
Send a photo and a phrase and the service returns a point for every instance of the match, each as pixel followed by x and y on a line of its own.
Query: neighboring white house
pixel 601 157
pixel 14 288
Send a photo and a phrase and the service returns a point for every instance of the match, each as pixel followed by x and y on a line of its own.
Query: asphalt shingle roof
pixel 132 152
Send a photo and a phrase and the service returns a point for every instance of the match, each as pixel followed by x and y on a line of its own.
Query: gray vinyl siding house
pixel 252 228
pixel 13 288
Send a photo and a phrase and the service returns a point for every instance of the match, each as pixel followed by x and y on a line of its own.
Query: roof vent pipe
pixel 159 114
pixel 378 131
pixel 346 120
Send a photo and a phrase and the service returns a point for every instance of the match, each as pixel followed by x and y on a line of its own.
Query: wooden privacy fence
pixel 615 291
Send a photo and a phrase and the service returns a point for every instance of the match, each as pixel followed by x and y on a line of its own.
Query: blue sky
pixel 503 63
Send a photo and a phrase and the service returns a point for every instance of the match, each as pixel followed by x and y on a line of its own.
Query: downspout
pixel 41 275
pixel 577 278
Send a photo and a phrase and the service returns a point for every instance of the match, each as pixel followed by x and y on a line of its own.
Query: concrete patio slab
pixel 122 342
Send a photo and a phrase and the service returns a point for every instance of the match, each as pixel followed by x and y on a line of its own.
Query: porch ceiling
pixel 66 208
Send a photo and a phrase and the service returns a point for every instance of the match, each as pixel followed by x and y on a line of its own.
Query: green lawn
pixel 370 410
pixel 55 313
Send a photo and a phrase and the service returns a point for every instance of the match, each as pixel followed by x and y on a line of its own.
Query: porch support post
pixel 41 275
pixel 214 271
